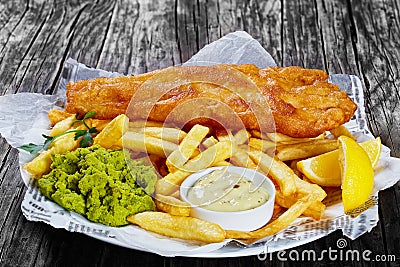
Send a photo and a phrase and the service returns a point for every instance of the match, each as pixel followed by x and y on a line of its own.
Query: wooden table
pixel 36 37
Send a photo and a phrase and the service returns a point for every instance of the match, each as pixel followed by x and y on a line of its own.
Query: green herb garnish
pixel 86 136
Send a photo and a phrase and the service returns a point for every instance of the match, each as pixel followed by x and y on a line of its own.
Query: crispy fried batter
pixel 302 102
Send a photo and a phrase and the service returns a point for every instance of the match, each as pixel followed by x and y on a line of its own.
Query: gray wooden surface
pixel 339 36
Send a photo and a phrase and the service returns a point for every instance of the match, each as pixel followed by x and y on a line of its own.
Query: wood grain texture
pixel 135 36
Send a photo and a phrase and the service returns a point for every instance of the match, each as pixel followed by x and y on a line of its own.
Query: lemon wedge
pixel 357 173
pixel 373 149
pixel 324 169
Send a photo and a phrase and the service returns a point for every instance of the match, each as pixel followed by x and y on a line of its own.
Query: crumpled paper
pixel 23 118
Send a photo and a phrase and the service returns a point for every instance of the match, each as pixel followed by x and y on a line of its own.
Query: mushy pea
pixel 98 183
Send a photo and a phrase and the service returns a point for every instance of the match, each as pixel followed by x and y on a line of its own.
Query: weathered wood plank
pixel 302 38
pixel 147 40
pixel 13 248
pixel 377 40
pixel 376 37
pixel 333 25
pixel 33 47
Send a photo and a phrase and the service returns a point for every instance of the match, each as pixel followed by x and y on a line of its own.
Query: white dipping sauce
pixel 221 190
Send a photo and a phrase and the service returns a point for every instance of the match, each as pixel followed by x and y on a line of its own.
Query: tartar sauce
pixel 222 190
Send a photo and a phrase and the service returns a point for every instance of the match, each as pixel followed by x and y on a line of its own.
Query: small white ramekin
pixel 247 220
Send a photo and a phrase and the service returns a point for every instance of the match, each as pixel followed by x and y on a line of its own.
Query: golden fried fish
pixel 300 101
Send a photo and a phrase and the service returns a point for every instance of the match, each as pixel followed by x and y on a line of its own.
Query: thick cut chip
pixel 179 226
pixel 242 159
pixel 284 139
pixel 41 164
pixel 210 141
pixel 110 135
pixel 224 135
pixel 222 163
pixel 279 171
pixel 170 183
pixel 305 150
pixel 260 144
pixel 316 210
pixel 241 137
pixel 259 135
pixel 169 134
pixel 62 126
pixel 187 147
pixel 172 205
pixel 304 188
pixel 216 153
pixel 151 145
pixel 145 123
pixel 279 224
pixel 56 115
pixel 98 124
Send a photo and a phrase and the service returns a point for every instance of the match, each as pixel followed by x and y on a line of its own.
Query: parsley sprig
pixel 86 136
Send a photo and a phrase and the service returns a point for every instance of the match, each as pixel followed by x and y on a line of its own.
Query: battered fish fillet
pixel 301 101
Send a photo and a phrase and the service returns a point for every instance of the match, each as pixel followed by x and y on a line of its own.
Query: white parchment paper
pixel 23 118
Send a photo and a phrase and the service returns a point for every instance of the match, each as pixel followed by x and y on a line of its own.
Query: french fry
pixel 176 194
pixel 171 182
pixel 178 226
pixel 277 211
pixel 281 138
pixel 41 164
pixel 196 152
pixel 305 188
pixel 259 135
pixel 241 158
pixel 224 135
pixel 279 224
pixel 62 126
pixel 241 137
pixel 143 123
pixel 279 171
pixel 172 205
pixel 186 148
pixel 216 153
pixel 151 145
pixel 341 130
pixel 173 135
pixel 305 150
pixel 113 132
pixel 316 210
pixel 302 140
pixel 222 163
pixel 260 144
pixel 65 143
pixel 56 115
pixel 99 124
pixel 210 141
